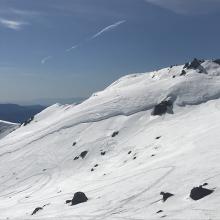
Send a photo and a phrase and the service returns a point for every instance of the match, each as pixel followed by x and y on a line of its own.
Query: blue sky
pixel 72 48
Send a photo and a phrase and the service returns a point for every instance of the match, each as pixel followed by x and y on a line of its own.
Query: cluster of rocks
pixel 196 193
pixel 82 155
pixel 28 121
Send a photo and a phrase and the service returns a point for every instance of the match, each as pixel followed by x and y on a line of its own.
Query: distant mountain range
pixel 17 113
pixel 51 101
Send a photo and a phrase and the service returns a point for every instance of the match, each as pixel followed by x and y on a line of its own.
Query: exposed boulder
pixel 79 197
pixel 36 210
pixel 76 158
pixel 115 133
pixel 163 108
pixel 200 192
pixel 74 143
pixel 103 153
pixel 166 195
pixel 83 154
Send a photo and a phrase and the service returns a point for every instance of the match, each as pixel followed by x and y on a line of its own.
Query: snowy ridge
pixel 130 155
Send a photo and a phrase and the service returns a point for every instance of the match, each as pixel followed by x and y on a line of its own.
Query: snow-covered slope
pixel 6 128
pixel 122 174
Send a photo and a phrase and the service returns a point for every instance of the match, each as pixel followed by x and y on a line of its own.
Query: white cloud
pixel 108 28
pixel 188 6
pixel 45 59
pixel 12 24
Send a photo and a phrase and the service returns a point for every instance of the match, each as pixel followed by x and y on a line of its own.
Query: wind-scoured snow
pixel 123 174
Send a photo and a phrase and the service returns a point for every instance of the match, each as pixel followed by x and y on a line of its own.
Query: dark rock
pixel 158 137
pixel 36 210
pixel 44 170
pixel 183 73
pixel 153 155
pixel 92 169
pixel 174 76
pixel 166 195
pixel 163 108
pixel 159 211
pixel 103 153
pixel 195 64
pixel 79 197
pixel 115 133
pixel 76 158
pixel 83 154
pixel 200 192
pixel 68 201
pixel 74 143
pixel 129 152
pixel 134 158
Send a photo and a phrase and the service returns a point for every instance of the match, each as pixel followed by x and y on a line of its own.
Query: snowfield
pixel 131 154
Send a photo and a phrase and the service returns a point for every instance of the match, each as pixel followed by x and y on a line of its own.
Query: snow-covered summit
pixel 140 149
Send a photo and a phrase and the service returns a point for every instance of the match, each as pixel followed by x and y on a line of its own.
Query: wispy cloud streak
pixel 12 24
pixel 45 59
pixel 108 28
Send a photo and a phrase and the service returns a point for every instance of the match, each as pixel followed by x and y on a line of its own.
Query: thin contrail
pixel 72 48
pixel 108 28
